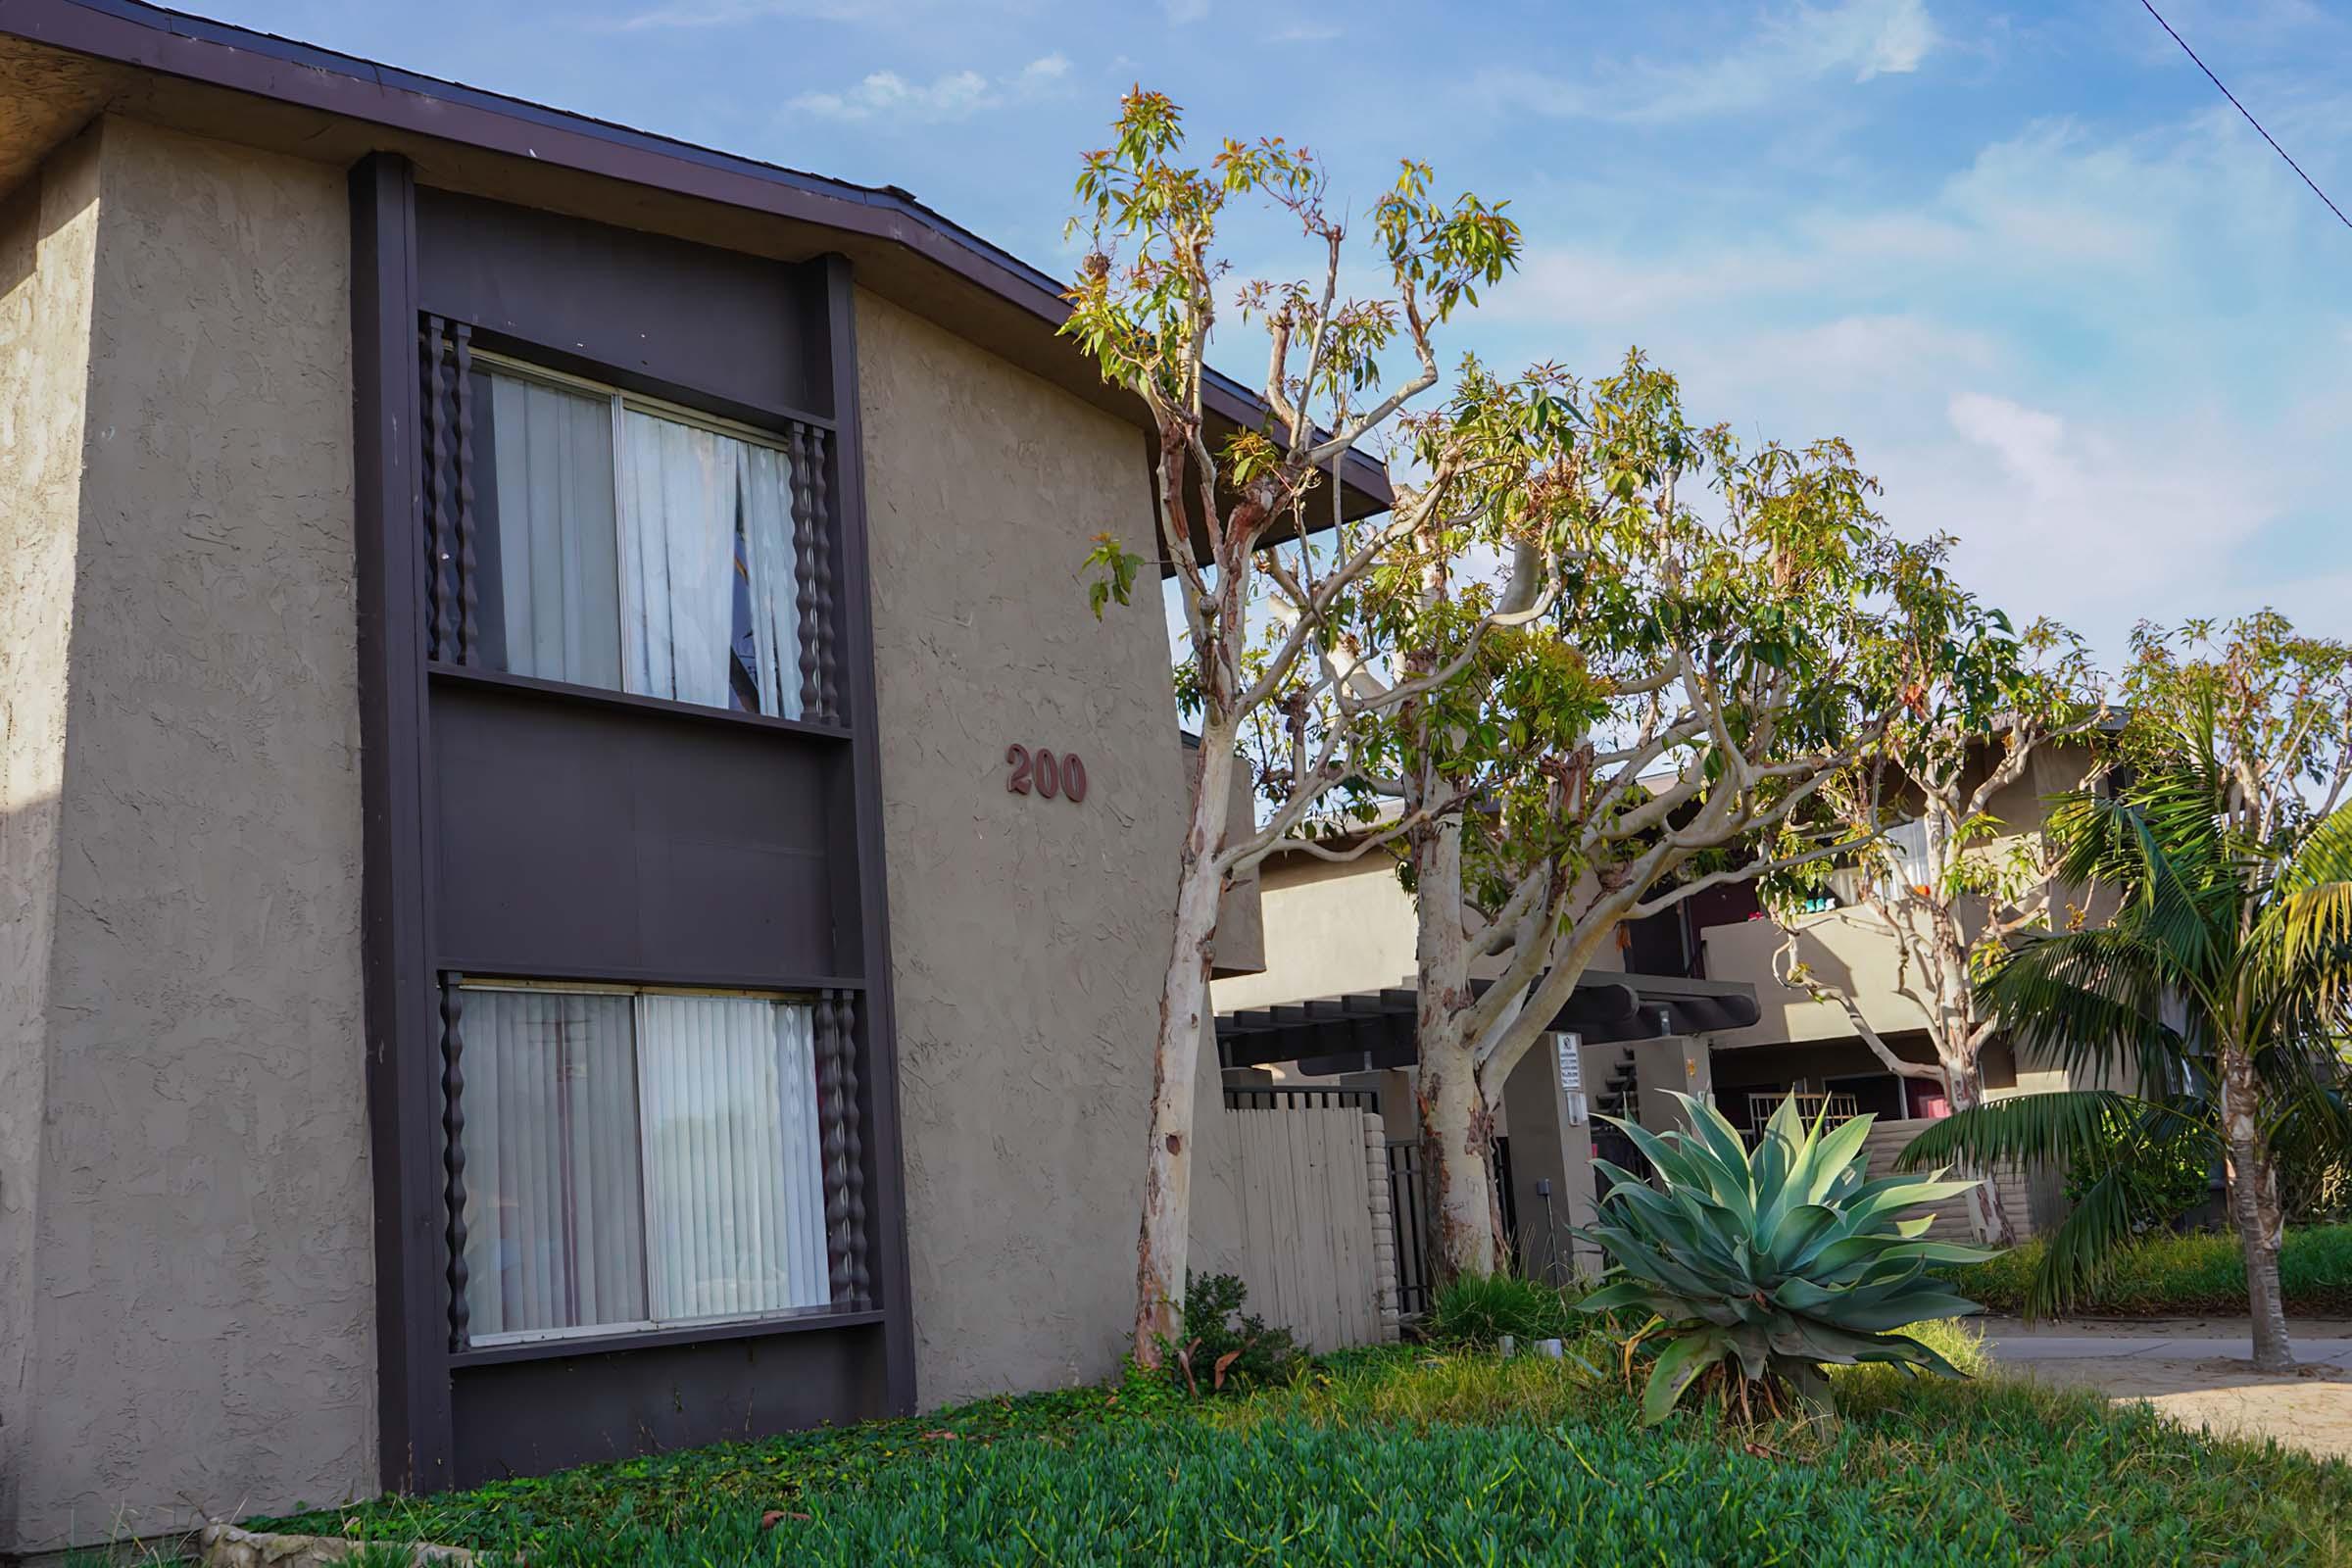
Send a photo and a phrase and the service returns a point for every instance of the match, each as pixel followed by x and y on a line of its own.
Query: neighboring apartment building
pixel 1333 931
pixel 521 945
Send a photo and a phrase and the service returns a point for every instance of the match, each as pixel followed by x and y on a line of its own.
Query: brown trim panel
pixel 876 1027
pixel 454 1415
pixel 412 1374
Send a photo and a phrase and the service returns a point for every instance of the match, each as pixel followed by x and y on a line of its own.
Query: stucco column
pixel 1552 1161
pixel 1678 1063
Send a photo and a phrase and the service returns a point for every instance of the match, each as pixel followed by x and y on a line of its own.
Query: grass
pixel 2197 1275
pixel 1478 1309
pixel 1404 1455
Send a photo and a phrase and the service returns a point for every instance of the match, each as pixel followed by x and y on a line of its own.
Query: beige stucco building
pixel 572 851
pixel 1339 934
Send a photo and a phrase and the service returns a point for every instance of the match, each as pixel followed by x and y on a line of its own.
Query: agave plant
pixel 1771 1264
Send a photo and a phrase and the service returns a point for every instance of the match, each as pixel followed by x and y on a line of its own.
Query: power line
pixel 2251 119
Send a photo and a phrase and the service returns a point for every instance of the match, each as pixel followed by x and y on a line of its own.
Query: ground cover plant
pixel 1409 1455
pixel 2196 1275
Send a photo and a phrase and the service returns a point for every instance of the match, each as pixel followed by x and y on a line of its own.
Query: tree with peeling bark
pixel 1696 681
pixel 1270 572
pixel 1939 874
pixel 2223 980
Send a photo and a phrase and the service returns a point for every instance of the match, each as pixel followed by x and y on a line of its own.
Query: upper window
pixel 636 545
pixel 1906 864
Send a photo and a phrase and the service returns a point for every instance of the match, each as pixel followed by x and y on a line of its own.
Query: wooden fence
pixel 1318 1252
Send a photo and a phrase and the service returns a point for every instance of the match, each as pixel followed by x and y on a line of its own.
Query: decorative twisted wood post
pixel 844 1149
pixel 806 547
pixel 828 693
pixel 440 616
pixel 453 1147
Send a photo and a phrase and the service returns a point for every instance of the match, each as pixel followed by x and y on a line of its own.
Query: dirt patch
pixel 2309 1409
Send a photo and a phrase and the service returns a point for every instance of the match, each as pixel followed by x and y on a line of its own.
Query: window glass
pixel 559 575
pixel 641 552
pixel 731 1146
pixel 637 1161
pixel 555 1224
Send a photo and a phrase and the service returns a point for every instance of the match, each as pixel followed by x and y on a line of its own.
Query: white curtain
pixel 617 539
pixel 552 456
pixel 734 1175
pixel 765 478
pixel 1906 857
pixel 677 505
pixel 555 1223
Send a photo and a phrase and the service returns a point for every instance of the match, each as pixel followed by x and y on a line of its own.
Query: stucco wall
pixel 48 236
pixel 202 1315
pixel 1330 928
pixel 1029 935
pixel 1848 949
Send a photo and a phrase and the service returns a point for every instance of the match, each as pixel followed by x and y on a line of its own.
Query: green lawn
pixel 2185 1276
pixel 1403 1456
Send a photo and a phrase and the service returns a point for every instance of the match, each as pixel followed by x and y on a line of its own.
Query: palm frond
pixel 2083 1247
pixel 2041 1129
pixel 2299 953
pixel 2092 999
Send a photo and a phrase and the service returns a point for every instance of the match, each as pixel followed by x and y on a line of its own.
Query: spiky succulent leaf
pixel 1774 1259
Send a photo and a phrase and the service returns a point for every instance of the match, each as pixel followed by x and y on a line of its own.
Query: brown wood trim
pixel 695 713
pixel 780 985
pixel 413 1389
pixel 876 1020
pixel 655 1339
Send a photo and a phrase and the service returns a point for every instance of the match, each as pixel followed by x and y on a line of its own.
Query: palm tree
pixel 2223 978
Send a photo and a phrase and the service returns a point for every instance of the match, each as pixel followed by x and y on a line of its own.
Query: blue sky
pixel 2064 302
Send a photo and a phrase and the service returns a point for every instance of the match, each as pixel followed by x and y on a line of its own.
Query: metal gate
pixel 1408 1212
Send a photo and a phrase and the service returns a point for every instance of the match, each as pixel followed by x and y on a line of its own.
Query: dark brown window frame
pixel 683 1385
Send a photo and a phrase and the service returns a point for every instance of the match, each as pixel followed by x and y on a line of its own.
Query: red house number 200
pixel 1046 773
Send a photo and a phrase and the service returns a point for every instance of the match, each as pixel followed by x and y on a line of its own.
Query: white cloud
pixel 955 95
pixel 952 96
pixel 1857 40
pixel 2114 367
pixel 1182 12
pixel 1043 69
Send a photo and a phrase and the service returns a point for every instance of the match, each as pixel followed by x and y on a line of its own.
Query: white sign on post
pixel 1568 1050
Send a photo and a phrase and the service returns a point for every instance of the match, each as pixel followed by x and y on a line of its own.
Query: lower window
pixel 636 1160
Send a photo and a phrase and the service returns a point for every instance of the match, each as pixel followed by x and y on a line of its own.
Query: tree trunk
pixel 2255 1208
pixel 1986 1210
pixel 1457 1123
pixel 1457 1132
pixel 1160 1247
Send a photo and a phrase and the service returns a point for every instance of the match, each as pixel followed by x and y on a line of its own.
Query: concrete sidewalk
pixel 2196 1376
pixel 2014 1348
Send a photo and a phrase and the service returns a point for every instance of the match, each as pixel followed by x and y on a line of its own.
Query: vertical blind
pixel 639 1159
pixel 642 553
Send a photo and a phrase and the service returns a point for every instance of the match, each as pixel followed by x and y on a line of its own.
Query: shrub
pixel 2202 1274
pixel 1769 1265
pixel 2162 1179
pixel 1219 1347
pixel 1480 1308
